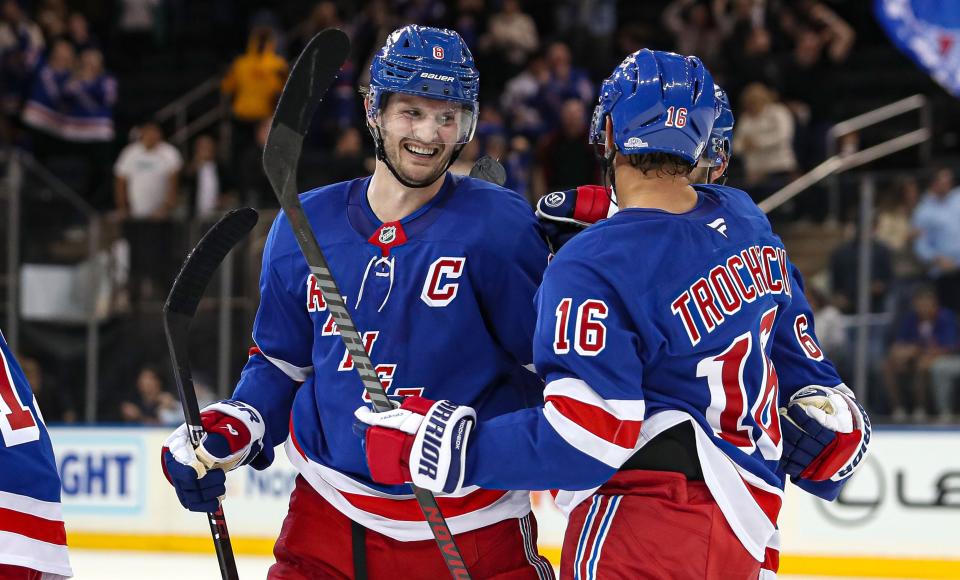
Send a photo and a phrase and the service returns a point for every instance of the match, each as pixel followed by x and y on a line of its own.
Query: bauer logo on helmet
pixel 436 77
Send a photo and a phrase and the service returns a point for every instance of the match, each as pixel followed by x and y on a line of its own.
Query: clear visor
pixel 427 120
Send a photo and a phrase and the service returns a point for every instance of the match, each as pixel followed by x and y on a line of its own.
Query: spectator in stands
pixel 55 402
pixel 147 173
pixel 324 15
pixel 424 12
pixel 150 404
pixel 835 37
pixel 206 182
pixel 764 140
pixel 145 189
pixel 44 109
pixel 511 37
pixel 497 146
pixel 937 220
pixel 78 31
pixel 844 268
pixel 565 159
pixel 750 58
pixel 831 328
pixel 90 95
pixel 254 82
pixel 565 82
pixel 927 334
pixel 52 17
pixel 695 31
pixel 895 209
pixel 137 23
pixel 349 161
pixel 520 100
pixel 469 20
pixel 252 185
pixel 844 263
pixel 21 46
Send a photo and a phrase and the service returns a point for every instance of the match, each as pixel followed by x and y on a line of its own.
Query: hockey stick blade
pixel 202 261
pixel 178 312
pixel 314 72
pixel 489 169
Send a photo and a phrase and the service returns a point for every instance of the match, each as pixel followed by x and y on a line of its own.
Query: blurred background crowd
pixel 128 126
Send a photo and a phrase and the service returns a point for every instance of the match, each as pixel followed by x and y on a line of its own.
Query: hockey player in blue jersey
pixel 33 542
pixel 443 300
pixel 564 214
pixel 672 337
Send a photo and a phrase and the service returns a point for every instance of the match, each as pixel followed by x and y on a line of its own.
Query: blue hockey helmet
pixel 427 62
pixel 721 137
pixel 658 102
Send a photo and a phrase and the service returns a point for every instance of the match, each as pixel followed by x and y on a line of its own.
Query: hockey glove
pixel 234 437
pixel 825 433
pixel 563 214
pixel 422 441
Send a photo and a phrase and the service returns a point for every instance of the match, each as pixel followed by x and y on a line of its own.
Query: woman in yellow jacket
pixel 255 80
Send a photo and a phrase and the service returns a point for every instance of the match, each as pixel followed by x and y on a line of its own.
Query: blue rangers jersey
pixel 31 521
pixel 649 319
pixel 444 302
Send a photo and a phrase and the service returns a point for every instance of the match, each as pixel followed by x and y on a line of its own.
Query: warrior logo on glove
pixel 431 435
pixel 825 433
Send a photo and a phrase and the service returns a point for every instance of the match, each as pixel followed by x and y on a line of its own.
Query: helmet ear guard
pixel 718 151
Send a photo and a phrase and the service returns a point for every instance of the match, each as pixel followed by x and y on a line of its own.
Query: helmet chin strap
pixel 609 175
pixel 382 156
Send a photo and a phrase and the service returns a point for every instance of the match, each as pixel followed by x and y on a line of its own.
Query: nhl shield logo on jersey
pixel 387 234
pixel 555 199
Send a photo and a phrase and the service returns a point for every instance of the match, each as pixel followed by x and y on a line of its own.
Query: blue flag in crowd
pixel 928 31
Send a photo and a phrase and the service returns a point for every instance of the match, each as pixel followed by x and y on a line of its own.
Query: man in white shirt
pixel 146 175
pixel 146 191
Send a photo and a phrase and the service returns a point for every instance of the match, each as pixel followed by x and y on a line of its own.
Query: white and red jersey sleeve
pixel 32 533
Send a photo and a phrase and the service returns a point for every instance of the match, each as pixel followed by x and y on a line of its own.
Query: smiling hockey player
pixel 444 302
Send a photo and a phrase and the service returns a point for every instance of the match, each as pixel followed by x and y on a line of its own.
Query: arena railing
pixel 838 163
pixel 20 163
pixel 178 112
pixel 225 301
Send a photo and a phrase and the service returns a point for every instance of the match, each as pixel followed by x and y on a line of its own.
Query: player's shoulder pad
pixel 732 196
pixel 503 198
pixel 318 201
pixel 502 209
pixel 319 204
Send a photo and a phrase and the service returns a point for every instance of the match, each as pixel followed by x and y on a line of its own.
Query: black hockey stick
pixel 310 78
pixel 178 311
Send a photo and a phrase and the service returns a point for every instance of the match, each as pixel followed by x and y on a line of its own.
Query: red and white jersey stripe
pixel 399 516
pixel 32 535
pixel 606 429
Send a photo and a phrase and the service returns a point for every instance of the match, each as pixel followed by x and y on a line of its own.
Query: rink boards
pixel 900 516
